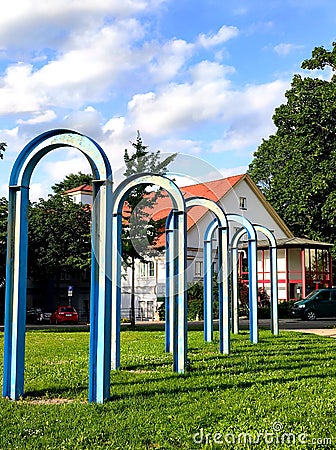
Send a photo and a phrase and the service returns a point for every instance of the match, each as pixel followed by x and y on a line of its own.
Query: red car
pixel 64 314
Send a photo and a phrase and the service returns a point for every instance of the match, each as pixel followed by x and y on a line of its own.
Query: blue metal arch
pixel 207 280
pixel 253 281
pixel 234 279
pixel 34 151
pixel 274 276
pixel 16 274
pixel 177 252
pixel 223 294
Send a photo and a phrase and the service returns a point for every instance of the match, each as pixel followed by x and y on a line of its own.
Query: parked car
pixel 319 303
pixel 64 314
pixel 37 316
pixel 44 317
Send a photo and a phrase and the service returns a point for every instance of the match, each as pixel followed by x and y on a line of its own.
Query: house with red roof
pixel 303 265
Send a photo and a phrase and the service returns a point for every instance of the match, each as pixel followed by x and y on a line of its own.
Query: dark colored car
pixel 37 316
pixel 64 314
pixel 319 303
pixel 44 317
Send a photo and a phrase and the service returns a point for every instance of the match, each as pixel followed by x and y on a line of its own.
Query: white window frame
pixel 198 268
pixel 147 269
pixel 243 203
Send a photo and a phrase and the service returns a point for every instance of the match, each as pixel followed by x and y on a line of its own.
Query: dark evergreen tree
pixel 140 232
pixel 3 146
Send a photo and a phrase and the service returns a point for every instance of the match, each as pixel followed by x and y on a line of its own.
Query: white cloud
pixel 83 74
pixel 190 169
pixel 26 23
pixel 179 105
pixel 16 91
pixel 169 59
pixel 229 172
pixel 245 115
pixel 224 34
pixel 248 117
pixel 37 191
pixel 286 49
pixel 112 55
pixel 43 117
pixel 183 146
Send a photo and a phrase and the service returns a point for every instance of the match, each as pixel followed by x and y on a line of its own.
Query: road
pixel 324 327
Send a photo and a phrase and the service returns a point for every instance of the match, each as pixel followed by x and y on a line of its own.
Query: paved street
pixel 323 327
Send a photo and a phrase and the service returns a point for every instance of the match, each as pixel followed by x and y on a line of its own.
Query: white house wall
pixel 255 212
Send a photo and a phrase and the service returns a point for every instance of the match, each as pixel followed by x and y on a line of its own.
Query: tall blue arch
pixel 223 292
pixel 252 265
pixel 273 277
pixel 178 256
pixel 16 270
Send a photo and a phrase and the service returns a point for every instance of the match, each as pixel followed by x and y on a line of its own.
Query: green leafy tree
pixel 140 232
pixel 3 146
pixel 72 181
pixel 59 235
pixel 59 238
pixel 195 299
pixel 295 167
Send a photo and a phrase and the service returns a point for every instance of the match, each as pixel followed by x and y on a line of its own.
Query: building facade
pixel 303 265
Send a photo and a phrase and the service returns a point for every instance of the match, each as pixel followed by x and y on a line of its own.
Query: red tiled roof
pixel 83 188
pixel 212 190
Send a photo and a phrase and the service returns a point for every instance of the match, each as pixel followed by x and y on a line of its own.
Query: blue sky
pixel 197 77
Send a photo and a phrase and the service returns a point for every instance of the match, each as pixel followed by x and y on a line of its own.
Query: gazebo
pixel 303 266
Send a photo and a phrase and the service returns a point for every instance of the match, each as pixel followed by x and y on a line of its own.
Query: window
pixel 198 268
pixel 323 295
pixel 147 269
pixel 151 269
pixel 242 203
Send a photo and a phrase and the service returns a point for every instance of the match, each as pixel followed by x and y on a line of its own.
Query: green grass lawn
pixel 285 384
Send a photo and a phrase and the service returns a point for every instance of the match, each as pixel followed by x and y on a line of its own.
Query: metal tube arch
pixel 273 275
pixel 253 280
pixel 207 280
pixel 223 294
pixel 17 243
pixel 177 254
pixel 234 290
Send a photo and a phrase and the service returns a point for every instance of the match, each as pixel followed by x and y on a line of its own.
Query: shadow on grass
pixel 275 359
pixel 54 392
pixel 210 388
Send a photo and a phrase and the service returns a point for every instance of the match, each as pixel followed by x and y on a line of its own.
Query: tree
pixel 72 181
pixel 3 146
pixel 59 238
pixel 141 232
pixel 195 299
pixel 59 235
pixel 295 167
